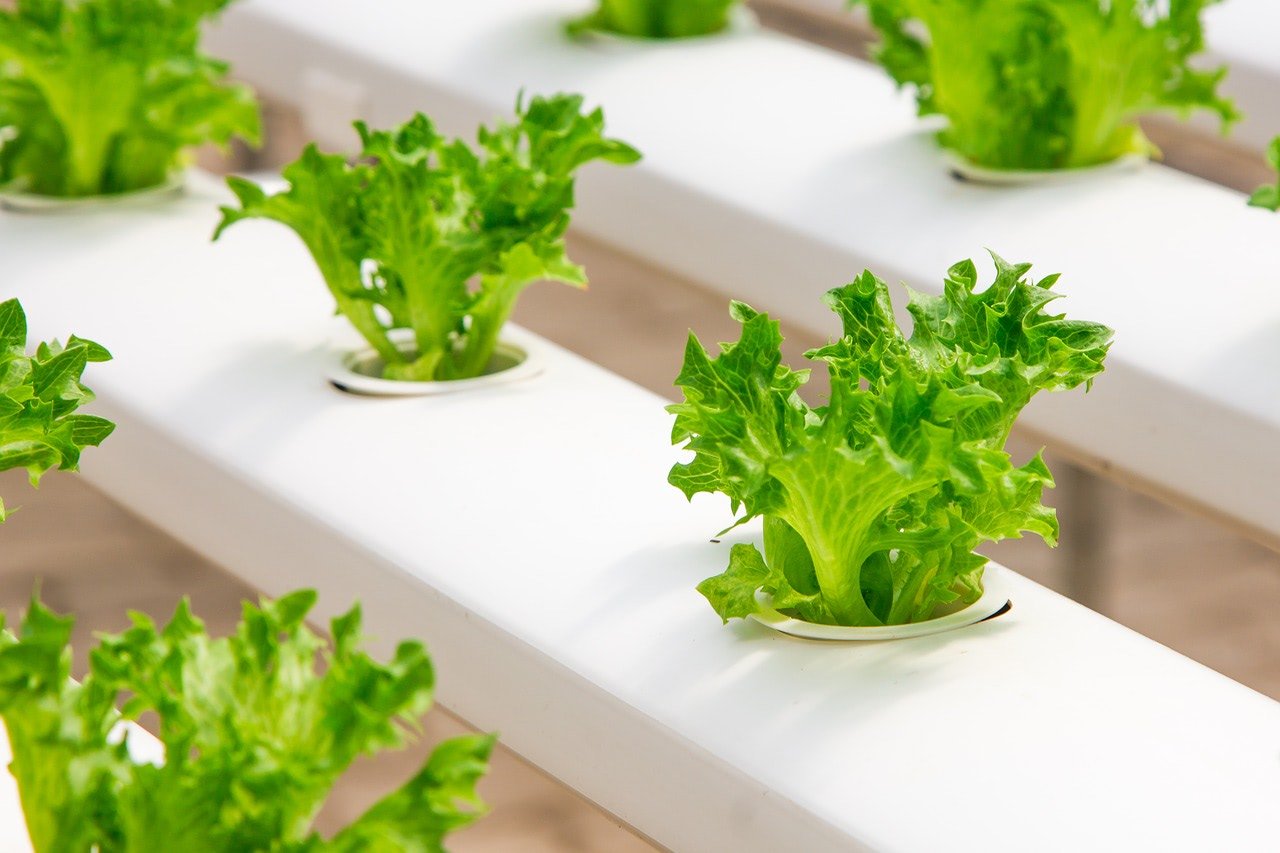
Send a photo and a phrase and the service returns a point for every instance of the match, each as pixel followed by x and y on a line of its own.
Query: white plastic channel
pixel 775 170
pixel 528 534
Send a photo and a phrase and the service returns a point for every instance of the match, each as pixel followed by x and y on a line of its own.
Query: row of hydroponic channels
pixel 872 505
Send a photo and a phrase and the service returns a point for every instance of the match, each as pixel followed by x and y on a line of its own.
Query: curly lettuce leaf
pixel 657 19
pixel 873 504
pixel 40 428
pixel 1268 196
pixel 254 736
pixel 64 760
pixel 401 235
pixel 441 798
pixel 104 96
pixel 1032 84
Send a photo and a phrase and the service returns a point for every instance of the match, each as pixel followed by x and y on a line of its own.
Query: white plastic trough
pixel 775 170
pixel 527 533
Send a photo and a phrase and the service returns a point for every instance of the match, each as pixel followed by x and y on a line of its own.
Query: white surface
pixel 529 535
pixel 775 170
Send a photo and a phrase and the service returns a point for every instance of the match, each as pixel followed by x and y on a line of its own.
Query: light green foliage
pixel 408 227
pixel 873 503
pixel 39 395
pixel 1047 84
pixel 254 736
pixel 1269 196
pixel 657 19
pixel 103 96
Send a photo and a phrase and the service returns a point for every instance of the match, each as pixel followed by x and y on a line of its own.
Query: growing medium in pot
pixel 1048 84
pixel 255 734
pixel 40 428
pixel 100 97
pixel 427 235
pixel 657 19
pixel 873 504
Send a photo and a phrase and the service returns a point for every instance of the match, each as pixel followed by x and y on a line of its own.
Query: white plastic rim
pixel 347 374
pixel 994 599
pixel 21 202
pixel 741 20
pixel 967 170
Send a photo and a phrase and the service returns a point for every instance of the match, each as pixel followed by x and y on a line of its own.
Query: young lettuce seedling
pixel 873 504
pixel 1269 196
pixel 254 736
pixel 1031 84
pixel 104 96
pixel 657 19
pixel 400 235
pixel 39 395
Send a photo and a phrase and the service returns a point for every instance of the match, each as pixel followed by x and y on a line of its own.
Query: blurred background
pixel 1166 571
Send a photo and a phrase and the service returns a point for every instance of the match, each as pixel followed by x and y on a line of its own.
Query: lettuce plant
pixel 1269 196
pixel 873 504
pixel 39 396
pixel 657 19
pixel 424 234
pixel 104 96
pixel 254 736
pixel 1047 84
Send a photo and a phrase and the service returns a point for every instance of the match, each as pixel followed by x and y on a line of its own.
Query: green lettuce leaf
pixel 439 799
pixel 657 19
pixel 1268 197
pixel 104 96
pixel 402 235
pixel 254 736
pixel 873 504
pixel 66 765
pixel 39 395
pixel 1048 84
